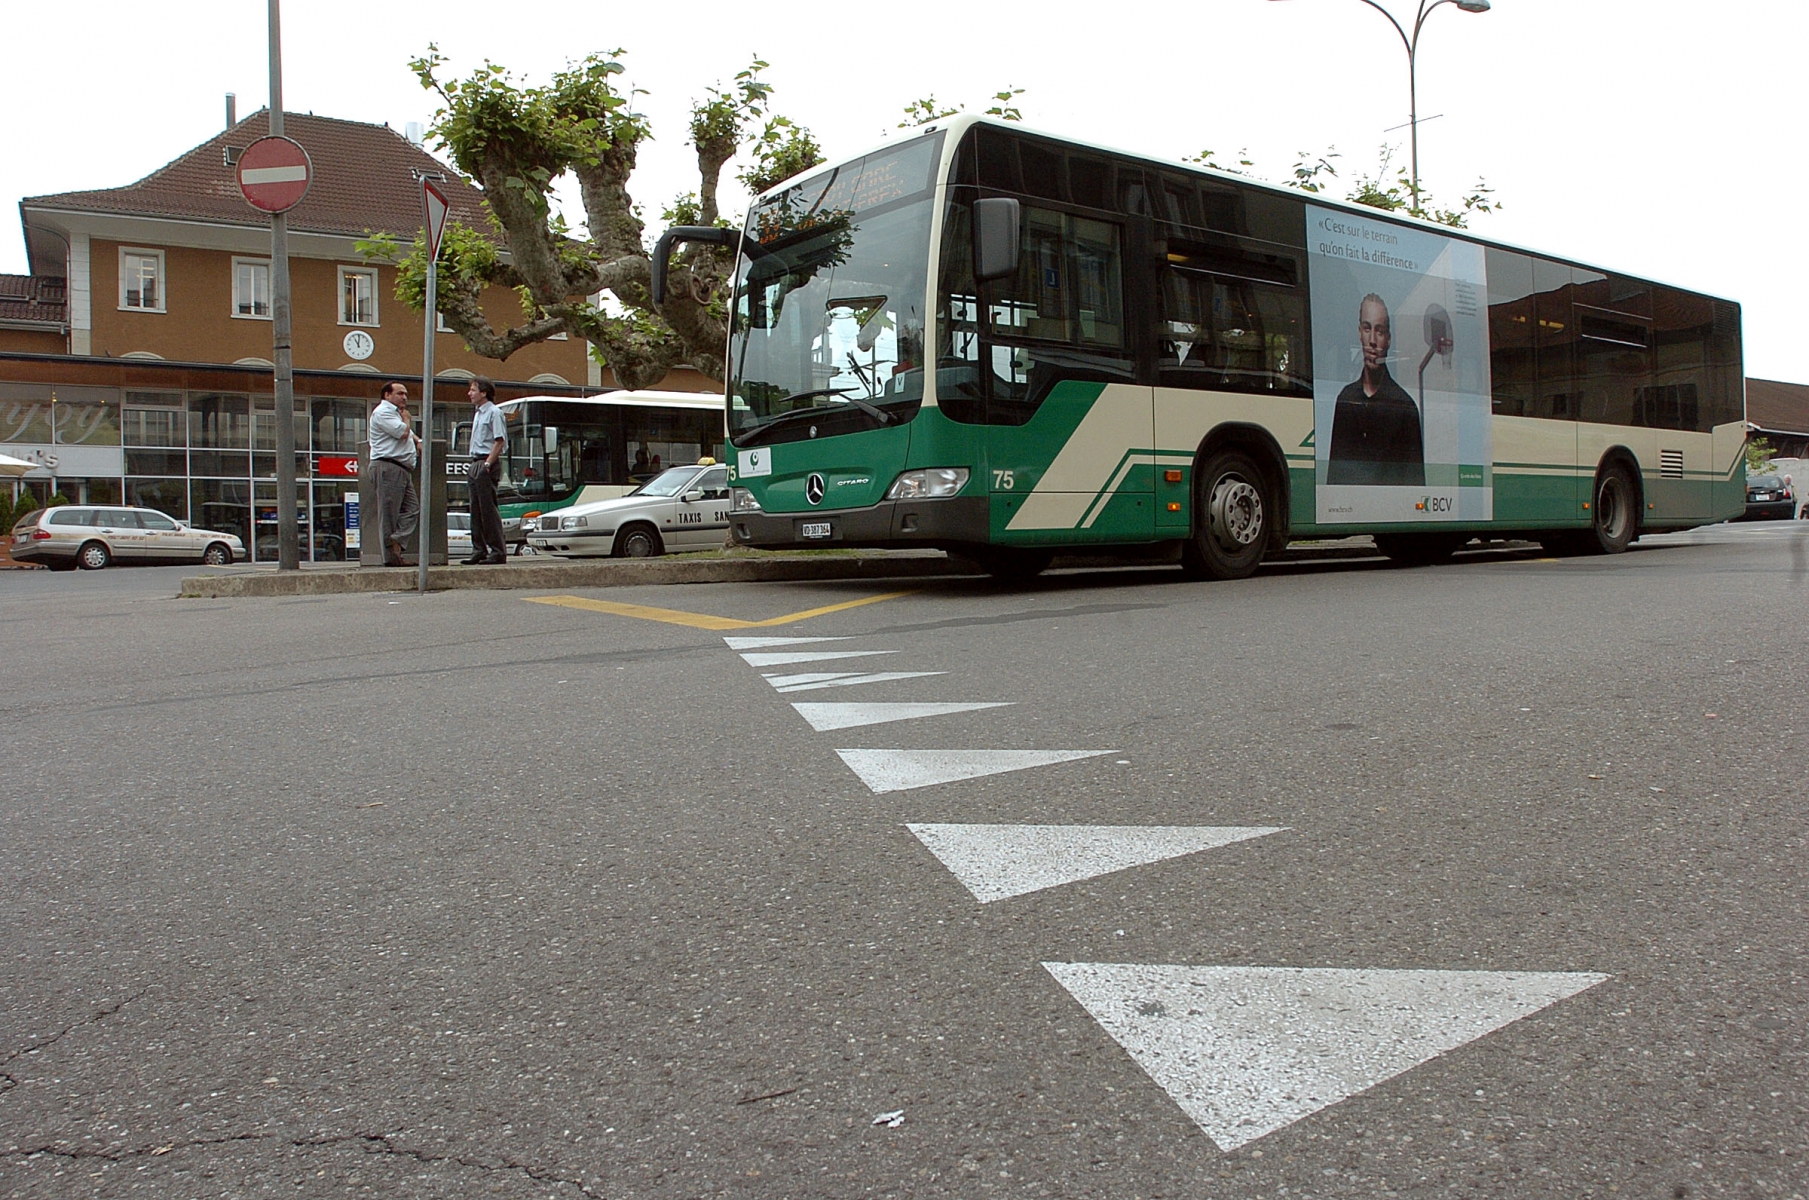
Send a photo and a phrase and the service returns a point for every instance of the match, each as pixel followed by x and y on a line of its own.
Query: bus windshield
pixel 828 314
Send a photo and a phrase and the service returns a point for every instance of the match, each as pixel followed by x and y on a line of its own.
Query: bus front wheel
pixel 1231 515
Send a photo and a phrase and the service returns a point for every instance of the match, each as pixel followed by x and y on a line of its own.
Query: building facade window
pixel 251 288
pixel 141 280
pixel 357 296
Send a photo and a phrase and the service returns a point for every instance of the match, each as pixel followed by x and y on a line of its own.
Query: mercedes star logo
pixel 813 489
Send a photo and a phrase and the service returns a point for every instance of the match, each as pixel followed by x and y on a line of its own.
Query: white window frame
pixel 163 279
pixel 269 287
pixel 439 323
pixel 339 296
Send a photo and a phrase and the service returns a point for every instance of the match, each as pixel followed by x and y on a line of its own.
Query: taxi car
pixel 95 536
pixel 681 508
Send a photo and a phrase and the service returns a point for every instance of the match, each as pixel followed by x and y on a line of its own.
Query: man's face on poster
pixel 1372 333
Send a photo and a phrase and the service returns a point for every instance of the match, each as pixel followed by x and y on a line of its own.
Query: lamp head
pixel 1472 5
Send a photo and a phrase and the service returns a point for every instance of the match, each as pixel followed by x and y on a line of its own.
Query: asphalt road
pixel 1346 880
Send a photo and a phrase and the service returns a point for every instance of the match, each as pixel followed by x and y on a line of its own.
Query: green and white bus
pixel 1005 344
pixel 566 450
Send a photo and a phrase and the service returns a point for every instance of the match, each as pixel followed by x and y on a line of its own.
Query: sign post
pixel 274 175
pixel 434 206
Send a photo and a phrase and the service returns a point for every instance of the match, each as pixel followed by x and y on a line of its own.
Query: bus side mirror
pixel 996 245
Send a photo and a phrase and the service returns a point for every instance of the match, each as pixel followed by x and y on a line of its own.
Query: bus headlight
pixel 930 483
pixel 573 522
pixel 742 500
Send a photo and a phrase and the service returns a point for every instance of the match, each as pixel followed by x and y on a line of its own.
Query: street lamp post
pixel 1412 46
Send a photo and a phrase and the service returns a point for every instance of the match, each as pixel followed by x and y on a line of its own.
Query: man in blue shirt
pixel 393 450
pixel 489 441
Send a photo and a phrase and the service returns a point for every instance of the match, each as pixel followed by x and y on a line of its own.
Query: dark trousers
pixel 486 521
pixel 398 503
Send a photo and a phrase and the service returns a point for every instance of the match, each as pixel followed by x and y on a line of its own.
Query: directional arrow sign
pixel 999 861
pixel 435 201
pixel 1247 1050
pixel 274 174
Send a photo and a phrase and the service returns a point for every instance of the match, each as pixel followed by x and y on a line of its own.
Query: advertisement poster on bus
pixel 1401 373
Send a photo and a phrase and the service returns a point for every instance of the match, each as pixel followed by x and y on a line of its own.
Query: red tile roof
pixel 1780 407
pixel 32 298
pixel 361 181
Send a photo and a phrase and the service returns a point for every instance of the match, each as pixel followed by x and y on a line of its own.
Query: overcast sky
pixel 1655 137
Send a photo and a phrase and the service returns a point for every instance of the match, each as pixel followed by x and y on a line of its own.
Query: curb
pixel 563 575
pixel 558 576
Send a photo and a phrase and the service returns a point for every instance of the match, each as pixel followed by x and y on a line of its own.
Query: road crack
pixel 372 1143
pixel 9 1081
pixel 385 1143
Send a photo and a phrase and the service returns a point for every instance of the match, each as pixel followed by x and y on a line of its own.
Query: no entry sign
pixel 274 174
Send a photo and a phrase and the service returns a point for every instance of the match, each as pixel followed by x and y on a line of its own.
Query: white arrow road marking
pixel 815 680
pixel 782 657
pixel 1247 1050
pixel 761 643
pixel 997 861
pixel 824 717
pixel 901 770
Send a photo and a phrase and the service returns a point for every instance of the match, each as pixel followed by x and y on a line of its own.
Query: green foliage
pixel 1308 170
pixel 1759 453
pixel 58 498
pixel 516 141
pixel 725 116
pixel 6 510
pixel 1206 159
pixel 1392 193
pixel 1377 191
pixel 526 137
pixel 782 150
pixel 926 111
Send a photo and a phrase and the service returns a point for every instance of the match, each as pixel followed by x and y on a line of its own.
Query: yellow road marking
pixel 673 616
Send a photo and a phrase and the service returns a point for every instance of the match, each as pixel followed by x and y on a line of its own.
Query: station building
pixel 135 358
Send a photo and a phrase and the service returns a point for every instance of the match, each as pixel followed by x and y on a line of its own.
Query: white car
pixel 95 536
pixel 458 534
pixel 682 508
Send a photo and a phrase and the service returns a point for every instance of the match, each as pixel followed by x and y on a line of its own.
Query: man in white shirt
pixel 489 442
pixel 394 448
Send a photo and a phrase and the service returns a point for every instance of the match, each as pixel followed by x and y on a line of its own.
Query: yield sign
pixel 435 200
pixel 274 174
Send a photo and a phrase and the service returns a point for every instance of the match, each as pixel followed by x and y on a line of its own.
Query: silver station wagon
pixel 682 508
pixel 96 536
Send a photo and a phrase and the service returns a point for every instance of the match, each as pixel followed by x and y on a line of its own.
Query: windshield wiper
pixel 879 414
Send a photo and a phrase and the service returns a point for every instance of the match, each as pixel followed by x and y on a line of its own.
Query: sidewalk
pixel 547 573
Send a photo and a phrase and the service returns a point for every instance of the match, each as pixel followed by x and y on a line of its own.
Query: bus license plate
pixel 814 529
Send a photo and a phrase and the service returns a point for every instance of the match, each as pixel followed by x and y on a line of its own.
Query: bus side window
pixel 1232 318
pixel 1513 369
pixel 1060 317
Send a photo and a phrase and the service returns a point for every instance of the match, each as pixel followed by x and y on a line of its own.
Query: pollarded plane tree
pixel 516 142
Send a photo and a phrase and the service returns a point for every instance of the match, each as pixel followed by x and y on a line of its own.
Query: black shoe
pixel 473 561
pixel 496 560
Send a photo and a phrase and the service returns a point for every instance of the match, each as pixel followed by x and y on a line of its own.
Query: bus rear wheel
pixel 1613 517
pixel 1231 518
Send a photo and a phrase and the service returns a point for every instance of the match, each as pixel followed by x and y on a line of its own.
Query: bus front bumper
pixel 890 524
